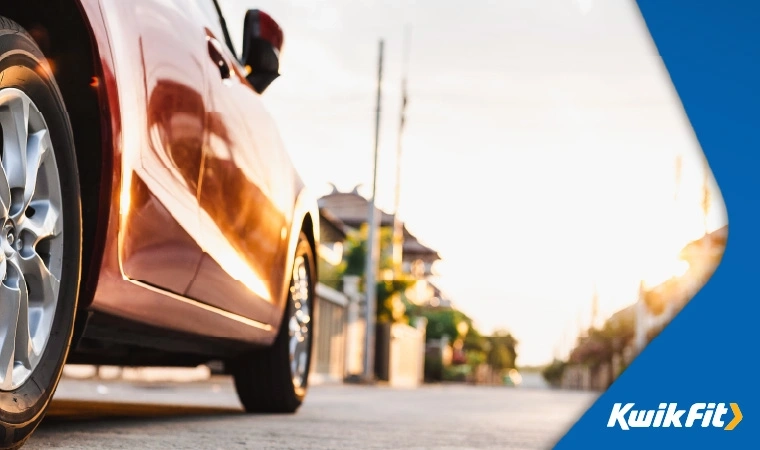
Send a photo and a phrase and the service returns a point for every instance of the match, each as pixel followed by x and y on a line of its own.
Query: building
pixel 399 354
pixel 329 347
pixel 332 233
pixel 435 298
pixel 351 209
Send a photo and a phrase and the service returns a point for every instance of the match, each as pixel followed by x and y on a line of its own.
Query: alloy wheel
pixel 31 238
pixel 299 325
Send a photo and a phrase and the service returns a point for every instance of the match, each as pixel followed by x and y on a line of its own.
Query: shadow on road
pixel 68 412
pixel 100 425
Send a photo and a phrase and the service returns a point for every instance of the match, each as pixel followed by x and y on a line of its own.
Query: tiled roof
pixel 352 209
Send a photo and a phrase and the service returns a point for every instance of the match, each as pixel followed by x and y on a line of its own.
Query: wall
pixel 407 353
pixel 328 358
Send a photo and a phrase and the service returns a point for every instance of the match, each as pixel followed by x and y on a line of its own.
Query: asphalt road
pixel 119 415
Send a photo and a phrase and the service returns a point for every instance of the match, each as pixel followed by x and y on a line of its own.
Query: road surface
pixel 207 415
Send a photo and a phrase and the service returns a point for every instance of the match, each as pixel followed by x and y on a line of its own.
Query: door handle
pixel 217 56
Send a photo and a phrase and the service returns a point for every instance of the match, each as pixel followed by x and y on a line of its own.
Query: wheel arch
pixel 310 225
pixel 72 38
pixel 306 220
pixel 311 229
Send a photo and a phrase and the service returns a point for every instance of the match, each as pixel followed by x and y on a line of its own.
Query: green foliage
pixel 390 307
pixel 444 322
pixel 553 372
pixel 474 341
pixel 499 351
pixel 355 253
pixel 456 373
pixel 502 353
pixel 329 275
pixel 476 357
pixel 600 344
pixel 356 250
pixel 499 358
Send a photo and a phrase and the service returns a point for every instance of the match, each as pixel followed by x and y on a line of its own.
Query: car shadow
pixel 81 413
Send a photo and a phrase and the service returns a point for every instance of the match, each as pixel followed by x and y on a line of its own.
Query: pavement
pixel 121 414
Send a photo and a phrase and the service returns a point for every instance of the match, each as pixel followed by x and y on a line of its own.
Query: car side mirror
pixel 262 42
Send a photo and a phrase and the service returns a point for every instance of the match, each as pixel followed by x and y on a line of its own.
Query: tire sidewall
pixel 20 66
pixel 263 376
pixel 303 249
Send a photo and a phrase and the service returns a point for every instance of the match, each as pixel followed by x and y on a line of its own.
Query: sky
pixel 539 152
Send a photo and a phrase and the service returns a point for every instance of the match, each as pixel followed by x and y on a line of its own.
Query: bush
pixel 456 373
pixel 475 358
pixel 553 372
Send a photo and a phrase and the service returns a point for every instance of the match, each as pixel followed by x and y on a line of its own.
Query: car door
pixel 161 71
pixel 245 215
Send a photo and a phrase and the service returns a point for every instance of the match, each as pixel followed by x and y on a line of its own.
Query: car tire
pixel 266 379
pixel 41 235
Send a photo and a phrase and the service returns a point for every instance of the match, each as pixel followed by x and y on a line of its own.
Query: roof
pixel 352 209
pixel 413 247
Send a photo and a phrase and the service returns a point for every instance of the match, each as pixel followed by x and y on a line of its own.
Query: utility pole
pixel 373 251
pixel 398 227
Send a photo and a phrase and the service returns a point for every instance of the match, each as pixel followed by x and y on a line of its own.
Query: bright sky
pixel 539 155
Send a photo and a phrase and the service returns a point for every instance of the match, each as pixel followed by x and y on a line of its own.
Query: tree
pixel 474 341
pixel 502 353
pixel 329 274
pixel 499 358
pixel 444 322
pixel 390 306
pixel 553 372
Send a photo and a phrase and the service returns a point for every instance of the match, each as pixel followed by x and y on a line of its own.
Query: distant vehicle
pixel 150 214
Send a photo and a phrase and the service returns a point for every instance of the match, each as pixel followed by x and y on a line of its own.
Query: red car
pixel 150 214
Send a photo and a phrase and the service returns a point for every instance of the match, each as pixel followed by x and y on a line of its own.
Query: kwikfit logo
pixel 669 415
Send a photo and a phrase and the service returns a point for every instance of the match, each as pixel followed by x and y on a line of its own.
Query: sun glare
pixel 664 271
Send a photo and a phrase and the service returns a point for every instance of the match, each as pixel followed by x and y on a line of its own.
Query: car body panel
pixel 164 102
pixel 245 225
pixel 169 245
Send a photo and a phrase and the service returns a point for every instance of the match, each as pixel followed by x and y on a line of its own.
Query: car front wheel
pixel 40 235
